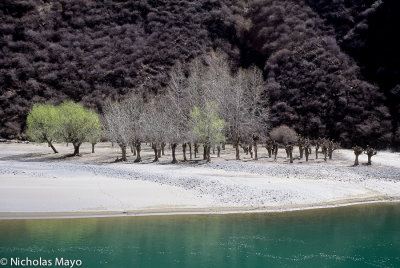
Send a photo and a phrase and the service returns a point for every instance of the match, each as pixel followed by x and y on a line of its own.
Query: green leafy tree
pixel 77 123
pixel 206 126
pixel 43 124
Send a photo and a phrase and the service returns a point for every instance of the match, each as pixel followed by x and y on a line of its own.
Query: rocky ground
pixel 34 180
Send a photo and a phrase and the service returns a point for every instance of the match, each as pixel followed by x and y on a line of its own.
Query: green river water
pixel 356 236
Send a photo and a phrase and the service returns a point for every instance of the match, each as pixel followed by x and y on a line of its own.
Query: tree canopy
pixel 44 124
pixel 69 122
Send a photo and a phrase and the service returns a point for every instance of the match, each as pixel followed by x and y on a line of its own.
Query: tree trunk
pixel 307 152
pixel 213 149
pixel 237 151
pixel 155 153
pixel 208 153
pixel 275 152
pixel 218 151
pixel 173 148
pixel 369 159
pixel 190 150
pixel 159 152
pixel 291 156
pixel 204 152
pixel 123 151
pixel 255 150
pixel 184 151
pixel 162 148
pixel 330 152
pixel 223 146
pixel 251 151
pixel 138 149
pixel 325 155
pixel 76 148
pixel 93 144
pixel 287 153
pixel 133 150
pixel 269 152
pixel 301 151
pixel 316 152
pixel 196 149
pixel 52 147
pixel 356 161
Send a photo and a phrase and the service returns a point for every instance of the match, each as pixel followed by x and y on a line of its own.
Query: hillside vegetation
pixel 331 67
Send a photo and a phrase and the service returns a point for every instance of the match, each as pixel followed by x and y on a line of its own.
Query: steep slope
pixel 90 50
pixel 314 86
pixel 318 56
pixel 367 31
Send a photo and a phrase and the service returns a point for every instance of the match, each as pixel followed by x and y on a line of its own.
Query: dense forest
pixel 332 67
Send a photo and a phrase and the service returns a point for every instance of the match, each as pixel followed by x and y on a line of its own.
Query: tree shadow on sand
pixel 37 157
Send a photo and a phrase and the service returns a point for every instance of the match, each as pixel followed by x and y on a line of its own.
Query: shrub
pixel 283 134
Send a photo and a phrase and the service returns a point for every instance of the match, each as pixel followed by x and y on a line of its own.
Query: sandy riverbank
pixel 36 183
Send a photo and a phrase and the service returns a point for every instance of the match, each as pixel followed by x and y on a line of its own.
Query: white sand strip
pixel 74 188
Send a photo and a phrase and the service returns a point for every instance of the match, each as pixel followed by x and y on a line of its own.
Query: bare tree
pixel 357 151
pixel 117 125
pixel 155 122
pixel 325 149
pixel 301 143
pixel 307 148
pixel 370 152
pixel 327 146
pixel 163 144
pixel 318 144
pixel 196 149
pixel 122 124
pixel 241 98
pixel 269 145
pixel 289 150
pixel 135 106
pixel 236 117
pixel 275 149
pixel 228 91
pixel 256 100
pixel 218 150
pixel 179 99
pixel 133 148
pixel 332 146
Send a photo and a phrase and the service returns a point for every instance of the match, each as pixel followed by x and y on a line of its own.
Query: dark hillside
pixel 314 86
pixel 369 32
pixel 332 66
pixel 89 50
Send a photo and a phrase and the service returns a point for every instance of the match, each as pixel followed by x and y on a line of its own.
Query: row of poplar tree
pixel 205 102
